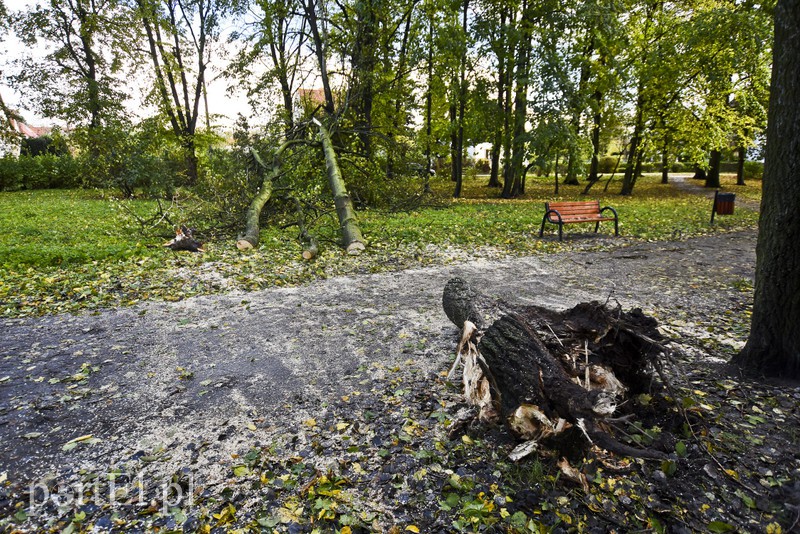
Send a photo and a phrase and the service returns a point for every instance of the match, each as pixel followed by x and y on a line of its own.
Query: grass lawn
pixel 67 250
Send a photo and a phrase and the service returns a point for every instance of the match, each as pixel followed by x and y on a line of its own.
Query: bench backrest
pixel 589 207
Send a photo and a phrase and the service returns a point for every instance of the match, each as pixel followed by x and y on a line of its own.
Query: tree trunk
pixel 712 178
pixel 310 9
pixel 352 240
pixel 513 186
pixel 740 166
pixel 665 163
pixel 597 121
pixel 629 180
pixel 699 173
pixel 634 156
pixel 556 175
pixel 429 110
pixel 497 143
pixel 773 347
pixel 462 104
pixel 249 239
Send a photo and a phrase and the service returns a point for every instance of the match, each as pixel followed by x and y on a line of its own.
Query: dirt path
pixel 203 369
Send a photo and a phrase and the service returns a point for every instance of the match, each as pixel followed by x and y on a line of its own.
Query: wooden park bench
pixel 562 213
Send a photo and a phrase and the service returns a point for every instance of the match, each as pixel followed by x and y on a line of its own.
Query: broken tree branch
pixel 249 239
pixel 352 239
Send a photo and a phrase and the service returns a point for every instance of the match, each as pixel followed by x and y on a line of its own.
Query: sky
pixel 219 100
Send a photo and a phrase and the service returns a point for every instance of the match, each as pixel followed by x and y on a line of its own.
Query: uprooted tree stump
pixel 554 378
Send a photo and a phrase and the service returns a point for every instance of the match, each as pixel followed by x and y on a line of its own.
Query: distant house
pixel 308 100
pixel 15 130
pixel 480 151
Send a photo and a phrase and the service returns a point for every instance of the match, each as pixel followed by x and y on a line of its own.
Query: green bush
pixel 46 171
pixel 606 164
pixel 648 167
pixel 680 166
pixel 753 170
pixel 483 166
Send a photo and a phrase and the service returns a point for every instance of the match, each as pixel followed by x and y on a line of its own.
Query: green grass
pixel 60 227
pixel 70 250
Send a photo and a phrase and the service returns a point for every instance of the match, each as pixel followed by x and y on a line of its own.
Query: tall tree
pixel 459 103
pixel 513 185
pixel 179 36
pixel 273 57
pixel 773 347
pixel 76 80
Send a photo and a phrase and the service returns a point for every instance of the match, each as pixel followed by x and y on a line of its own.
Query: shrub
pixel 483 166
pixel 606 164
pixel 680 166
pixel 46 171
pixel 753 170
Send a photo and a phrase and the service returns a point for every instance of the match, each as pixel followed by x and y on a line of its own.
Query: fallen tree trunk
pixel 352 239
pixel 553 376
pixel 249 239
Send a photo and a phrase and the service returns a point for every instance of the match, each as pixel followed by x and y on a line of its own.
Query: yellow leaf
pixel 467 440
pixel 80 438
pixel 311 423
pixel 345 530
pixel 413 528
pixel 341 426
pixel 251 426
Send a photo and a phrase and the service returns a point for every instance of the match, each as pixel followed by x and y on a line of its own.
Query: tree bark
pixel 502 60
pixel 310 10
pixel 633 164
pixel 462 106
pixel 526 359
pixel 513 184
pixel 249 239
pixel 773 347
pixel 352 240
pixel 712 177
pixel 740 166
pixel 596 123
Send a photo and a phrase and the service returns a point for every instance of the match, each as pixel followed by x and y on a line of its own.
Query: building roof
pixel 29 131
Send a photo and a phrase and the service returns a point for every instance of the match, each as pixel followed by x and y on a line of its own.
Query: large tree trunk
pixel 352 240
pixel 773 347
pixel 542 372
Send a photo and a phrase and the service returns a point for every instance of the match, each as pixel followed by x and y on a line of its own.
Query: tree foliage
pixel 411 84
